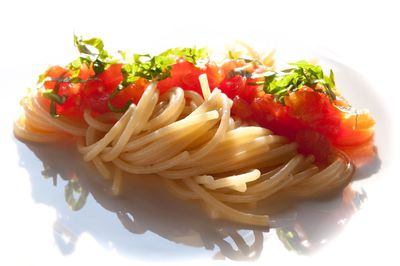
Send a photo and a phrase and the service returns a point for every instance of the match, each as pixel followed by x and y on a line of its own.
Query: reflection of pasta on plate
pixel 228 133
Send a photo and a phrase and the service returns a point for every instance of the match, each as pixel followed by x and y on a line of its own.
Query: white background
pixel 35 34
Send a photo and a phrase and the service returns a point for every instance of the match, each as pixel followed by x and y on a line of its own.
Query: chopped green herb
pixel 55 99
pixel 302 73
pixel 91 47
pixel 158 67
pixel 116 109
pixel 50 94
pixel 123 54
pixel 91 52
pixel 98 66
pixel 42 77
pixel 76 64
pixel 75 67
pixel 53 109
pixel 192 55
pixel 232 55
pixel 145 66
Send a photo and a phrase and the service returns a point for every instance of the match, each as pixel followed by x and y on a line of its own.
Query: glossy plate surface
pixel 150 226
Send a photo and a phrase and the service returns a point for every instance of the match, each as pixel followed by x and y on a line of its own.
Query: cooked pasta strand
pixel 195 145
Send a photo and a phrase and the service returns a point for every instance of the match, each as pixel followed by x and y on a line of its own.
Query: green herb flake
pixel 98 66
pixel 91 52
pixel 116 109
pixel 50 94
pixel 53 109
pixel 301 73
pixel 145 66
pixel 92 47
pixel 191 55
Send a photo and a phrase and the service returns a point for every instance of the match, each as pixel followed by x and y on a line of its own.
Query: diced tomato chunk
pixel 315 110
pixel 235 86
pixel 355 129
pixel 267 109
pixel 86 72
pixel 50 84
pixel 230 65
pixel 131 92
pixel 184 75
pixel 214 75
pixel 56 72
pixel 111 77
pixel 190 81
pixel 95 96
pixel 71 108
pixel 241 108
pixel 315 143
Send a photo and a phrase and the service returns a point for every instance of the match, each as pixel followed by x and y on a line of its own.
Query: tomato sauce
pixel 306 115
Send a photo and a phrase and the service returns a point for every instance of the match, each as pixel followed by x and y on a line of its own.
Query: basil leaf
pixel 50 94
pixel 98 66
pixel 191 55
pixel 116 109
pixel 41 77
pixel 302 73
pixel 95 42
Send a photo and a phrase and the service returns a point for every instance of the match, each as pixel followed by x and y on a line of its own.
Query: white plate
pixel 151 226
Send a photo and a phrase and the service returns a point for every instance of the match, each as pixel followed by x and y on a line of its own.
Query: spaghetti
pixel 213 139
pixel 196 146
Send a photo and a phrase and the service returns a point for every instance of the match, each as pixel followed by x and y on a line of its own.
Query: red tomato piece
pixel 50 84
pixel 166 84
pixel 132 92
pixel 86 72
pixel 230 65
pixel 241 108
pixel 314 110
pixel 214 75
pixel 69 89
pixel 190 81
pixel 72 106
pixel 235 86
pixel 249 92
pixel 111 77
pixel 96 96
pixel 267 109
pixel 56 72
pixel 355 129
pixel 315 143
pixel 184 75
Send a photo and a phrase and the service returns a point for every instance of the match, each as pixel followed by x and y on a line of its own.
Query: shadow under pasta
pixel 161 224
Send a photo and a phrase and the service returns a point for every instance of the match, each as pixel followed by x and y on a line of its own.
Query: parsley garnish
pixel 158 67
pixel 145 66
pixel 152 68
pixel 116 109
pixel 191 55
pixel 301 73
pixel 55 99
pixel 141 66
pixel 91 52
pixel 91 47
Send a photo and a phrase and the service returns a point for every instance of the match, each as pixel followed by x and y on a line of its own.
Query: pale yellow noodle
pixel 195 145
pixel 136 121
